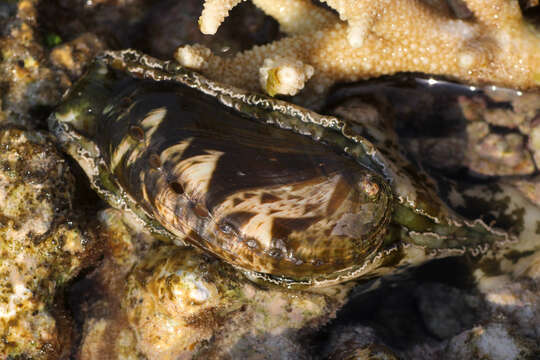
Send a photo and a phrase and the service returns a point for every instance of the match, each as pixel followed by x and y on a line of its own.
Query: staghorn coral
pixel 295 17
pixel 215 11
pixel 385 37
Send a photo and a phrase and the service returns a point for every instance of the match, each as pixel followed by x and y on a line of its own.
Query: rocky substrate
pixel 79 280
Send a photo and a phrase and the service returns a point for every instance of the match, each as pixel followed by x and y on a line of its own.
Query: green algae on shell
pixel 284 194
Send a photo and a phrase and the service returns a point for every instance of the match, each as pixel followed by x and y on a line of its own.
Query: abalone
pixel 286 195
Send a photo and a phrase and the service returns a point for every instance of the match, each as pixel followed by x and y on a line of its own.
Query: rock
pixel 180 303
pixel 357 343
pixel 446 311
pixel 492 153
pixel 31 87
pixel 76 54
pixel 42 245
pixel 491 342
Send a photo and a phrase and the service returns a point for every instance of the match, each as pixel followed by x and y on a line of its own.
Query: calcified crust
pixel 495 45
pixel 284 194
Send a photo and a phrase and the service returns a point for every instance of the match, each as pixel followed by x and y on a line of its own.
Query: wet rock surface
pixel 447 310
pixel 44 243
pixel 30 88
pixel 169 302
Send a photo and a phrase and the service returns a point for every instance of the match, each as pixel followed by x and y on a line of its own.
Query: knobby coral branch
pixel 379 37
pixel 214 12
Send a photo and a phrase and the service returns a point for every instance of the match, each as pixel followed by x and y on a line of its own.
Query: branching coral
pixel 215 11
pixel 379 37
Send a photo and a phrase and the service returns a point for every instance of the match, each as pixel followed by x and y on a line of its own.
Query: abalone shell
pixel 262 198
pixel 267 200
pixel 286 195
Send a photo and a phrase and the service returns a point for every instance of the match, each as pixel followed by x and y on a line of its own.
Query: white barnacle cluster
pixel 476 43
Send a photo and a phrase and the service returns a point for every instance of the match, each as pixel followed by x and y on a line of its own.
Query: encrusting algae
pixel 494 44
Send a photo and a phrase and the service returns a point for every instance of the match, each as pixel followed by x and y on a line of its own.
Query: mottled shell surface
pixel 282 193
